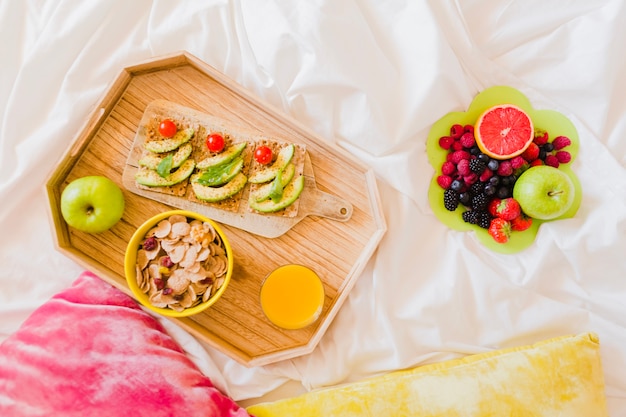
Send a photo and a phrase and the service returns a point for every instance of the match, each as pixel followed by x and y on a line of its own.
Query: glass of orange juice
pixel 292 296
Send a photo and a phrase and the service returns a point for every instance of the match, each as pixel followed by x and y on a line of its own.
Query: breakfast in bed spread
pixel 224 169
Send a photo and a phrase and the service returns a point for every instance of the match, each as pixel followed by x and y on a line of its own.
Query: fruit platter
pixel 503 168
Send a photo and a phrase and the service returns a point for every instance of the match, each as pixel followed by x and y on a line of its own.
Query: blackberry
pixel 477 166
pixel 477 188
pixel 479 202
pixel 469 216
pixel 483 219
pixel 450 199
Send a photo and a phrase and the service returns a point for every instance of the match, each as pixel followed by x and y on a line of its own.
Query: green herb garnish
pixel 165 166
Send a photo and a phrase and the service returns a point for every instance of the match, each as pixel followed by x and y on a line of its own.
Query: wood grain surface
pixel 235 325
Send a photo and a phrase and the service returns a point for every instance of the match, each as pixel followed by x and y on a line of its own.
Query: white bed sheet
pixel 372 77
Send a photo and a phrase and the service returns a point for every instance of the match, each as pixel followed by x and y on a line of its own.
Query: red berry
pixel 458 156
pixel 517 162
pixel 469 129
pixel 521 222
pixel 457 145
pixel 150 243
pixel 456 131
pixel 470 179
pixel 445 142
pixel 467 140
pixel 448 168
pixel 563 157
pixel 500 230
pixel 561 142
pixel 531 153
pixel 159 283
pixel 166 261
pixel 536 162
pixel 541 137
pixel 505 169
pixel 508 209
pixel 486 174
pixel 492 208
pixel 444 181
pixel 464 167
pixel 552 161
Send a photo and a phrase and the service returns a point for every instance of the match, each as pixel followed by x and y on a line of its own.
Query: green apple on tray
pixel 503 168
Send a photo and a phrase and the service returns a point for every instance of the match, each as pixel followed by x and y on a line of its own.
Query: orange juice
pixel 292 296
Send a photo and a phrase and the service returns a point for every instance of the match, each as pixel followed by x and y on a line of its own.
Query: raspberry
pixel 517 162
pixel 457 156
pixel 444 181
pixel 464 167
pixel 552 161
pixel 531 153
pixel 469 129
pixel 456 131
pixel 448 168
pixel 467 140
pixel 561 142
pixel 457 145
pixel 541 136
pixel 470 178
pixel 450 200
pixel 487 173
pixel 445 142
pixel 505 169
pixel 563 157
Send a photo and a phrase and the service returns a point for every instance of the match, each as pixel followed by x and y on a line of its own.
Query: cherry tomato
pixel 215 142
pixel 263 155
pixel 167 128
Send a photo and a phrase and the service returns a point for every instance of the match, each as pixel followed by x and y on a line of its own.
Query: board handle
pixel 320 203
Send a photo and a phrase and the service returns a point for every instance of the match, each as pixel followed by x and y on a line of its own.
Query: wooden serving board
pixel 312 201
pixel 336 250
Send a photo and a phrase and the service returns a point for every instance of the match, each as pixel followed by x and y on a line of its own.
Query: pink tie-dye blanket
pixel 91 351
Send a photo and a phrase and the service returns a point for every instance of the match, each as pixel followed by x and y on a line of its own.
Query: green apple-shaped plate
pixel 551 121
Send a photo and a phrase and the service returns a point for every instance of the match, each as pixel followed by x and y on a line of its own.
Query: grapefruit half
pixel 504 131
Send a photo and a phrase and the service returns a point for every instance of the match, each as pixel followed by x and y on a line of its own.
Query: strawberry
pixel 507 209
pixel 541 136
pixel 521 222
pixel 500 230
pixel 531 153
pixel 492 208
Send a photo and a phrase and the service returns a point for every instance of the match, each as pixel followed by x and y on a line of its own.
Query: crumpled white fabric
pixel 372 77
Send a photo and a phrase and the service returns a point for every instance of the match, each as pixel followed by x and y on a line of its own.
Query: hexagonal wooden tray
pixel 235 325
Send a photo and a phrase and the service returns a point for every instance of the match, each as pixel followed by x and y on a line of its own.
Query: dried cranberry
pixel 167 262
pixel 150 243
pixel 167 291
pixel 160 284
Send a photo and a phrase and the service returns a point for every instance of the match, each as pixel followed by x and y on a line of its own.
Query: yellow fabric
pixel 556 377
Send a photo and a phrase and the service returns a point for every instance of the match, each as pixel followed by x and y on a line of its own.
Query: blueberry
pixel 503 192
pixel 495 180
pixel 456 185
pixel 490 189
pixel 493 164
pixel 483 157
pixel 464 198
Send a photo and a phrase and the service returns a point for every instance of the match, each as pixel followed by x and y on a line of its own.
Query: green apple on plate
pixel 544 192
pixel 92 204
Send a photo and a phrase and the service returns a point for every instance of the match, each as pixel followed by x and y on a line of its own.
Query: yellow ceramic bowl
pixel 130 262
